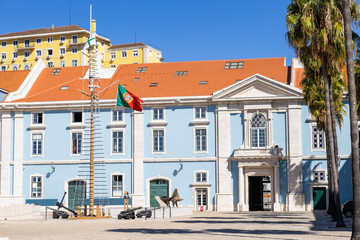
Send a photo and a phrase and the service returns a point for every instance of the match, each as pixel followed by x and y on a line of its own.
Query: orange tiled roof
pixel 127 45
pixel 47 87
pixel 11 80
pixel 43 31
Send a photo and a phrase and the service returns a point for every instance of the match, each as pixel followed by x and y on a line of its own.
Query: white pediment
pixel 258 87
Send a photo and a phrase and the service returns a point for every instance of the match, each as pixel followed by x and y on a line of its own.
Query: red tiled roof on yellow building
pixel 11 80
pixel 156 80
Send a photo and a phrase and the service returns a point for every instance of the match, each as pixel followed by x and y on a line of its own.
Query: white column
pixel 138 197
pixel 295 197
pixel 241 188
pixel 276 189
pixel 224 195
pixel 18 153
pixel 6 142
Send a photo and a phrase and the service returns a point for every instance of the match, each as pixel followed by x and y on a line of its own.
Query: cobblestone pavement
pixel 201 225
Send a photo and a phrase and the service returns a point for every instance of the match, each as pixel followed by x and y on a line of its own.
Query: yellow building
pixel 66 46
pixel 131 53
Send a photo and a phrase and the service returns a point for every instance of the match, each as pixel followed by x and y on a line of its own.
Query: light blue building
pixel 228 134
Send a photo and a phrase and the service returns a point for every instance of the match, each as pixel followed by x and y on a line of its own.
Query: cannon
pixel 147 212
pixel 127 214
pixel 58 213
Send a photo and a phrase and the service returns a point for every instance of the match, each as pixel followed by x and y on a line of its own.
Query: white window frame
pixel 112 55
pixel 200 107
pixel 112 130
pixel 50 64
pixel 13 54
pixel 123 184
pixel 74 61
pixel 312 125
pixel 42 185
pixel 27 43
pixel 113 66
pixel 267 140
pixel 135 52
pixel 124 52
pixel 15 66
pixel 27 65
pixel 74 37
pixel 62 63
pixel 62 49
pixel 32 117
pixel 15 43
pixel 201 171
pixel 318 169
pixel 72 117
pixel 50 39
pixel 26 54
pixel 3 44
pixel 71 142
pixel 152 140
pixel 3 55
pixel 74 49
pixel 42 143
pixel 38 42
pixel 122 115
pixel 37 53
pixel 3 68
pixel 207 139
pixel 62 40
pixel 153 111
pixel 47 52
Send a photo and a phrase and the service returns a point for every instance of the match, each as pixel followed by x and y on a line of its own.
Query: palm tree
pixel 348 8
pixel 315 31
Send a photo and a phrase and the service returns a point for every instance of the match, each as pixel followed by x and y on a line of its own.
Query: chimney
pixel 93 26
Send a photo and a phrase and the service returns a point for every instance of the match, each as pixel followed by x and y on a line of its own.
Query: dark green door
pixel 76 193
pixel 319 198
pixel 158 187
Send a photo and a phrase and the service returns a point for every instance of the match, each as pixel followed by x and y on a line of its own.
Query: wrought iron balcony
pixel 258 153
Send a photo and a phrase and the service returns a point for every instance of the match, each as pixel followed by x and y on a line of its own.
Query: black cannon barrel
pixel 131 210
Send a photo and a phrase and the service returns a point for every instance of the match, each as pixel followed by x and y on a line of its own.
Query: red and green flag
pixel 127 99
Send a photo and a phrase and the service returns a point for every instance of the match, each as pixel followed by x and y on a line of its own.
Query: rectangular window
pixel 62 63
pixel 112 55
pixel 74 63
pixel 117 115
pixel 117 186
pixel 123 54
pixel 36 186
pixel 200 112
pixel 38 41
pixel 15 43
pixel 201 177
pixel 38 53
pixel 26 54
pixel 102 56
pixel 117 139
pixel 158 140
pixel 201 197
pixel 181 73
pixel 141 69
pixel 62 51
pixel 3 56
pixel 37 140
pixel 74 49
pixel 76 143
pixel 27 43
pixel 37 118
pixel 49 39
pixel 14 67
pixel 26 66
pixel 49 52
pixel 15 55
pixel 258 137
pixel 62 39
pixel 158 114
pixel 318 137
pixel 200 135
pixel 234 65
pixel 3 44
pixel 76 117
pixel 3 68
pixel 74 39
pixel 135 52
pixel 50 64
pixel 113 66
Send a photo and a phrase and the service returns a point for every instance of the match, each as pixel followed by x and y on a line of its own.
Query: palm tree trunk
pixel 331 208
pixel 336 149
pixel 339 218
pixel 353 119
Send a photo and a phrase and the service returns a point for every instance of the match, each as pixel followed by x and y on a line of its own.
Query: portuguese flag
pixel 127 99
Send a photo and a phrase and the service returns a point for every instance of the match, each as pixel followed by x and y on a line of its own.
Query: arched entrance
pixel 158 187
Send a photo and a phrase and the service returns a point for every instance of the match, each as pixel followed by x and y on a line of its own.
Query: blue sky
pixel 185 30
